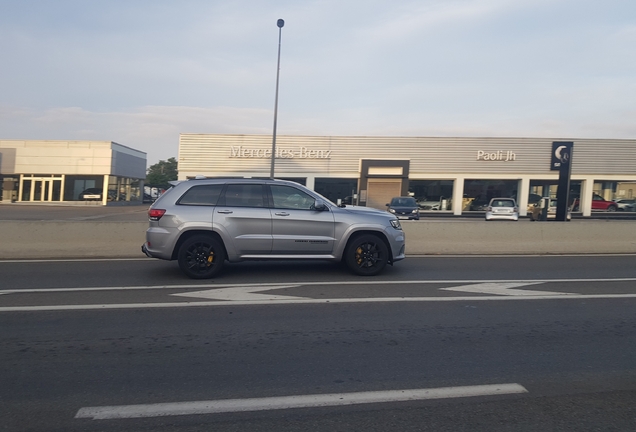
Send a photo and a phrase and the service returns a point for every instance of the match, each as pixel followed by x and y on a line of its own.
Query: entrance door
pixel 41 190
pixel 380 192
pixel 45 189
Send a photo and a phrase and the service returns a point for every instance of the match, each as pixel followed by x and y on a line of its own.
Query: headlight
pixel 396 224
pixel 414 211
pixel 391 210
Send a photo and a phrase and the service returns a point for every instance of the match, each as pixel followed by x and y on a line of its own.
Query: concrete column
pixel 311 182
pixel 523 191
pixel 458 195
pixel 105 190
pixel 62 187
pixel 20 187
pixel 587 189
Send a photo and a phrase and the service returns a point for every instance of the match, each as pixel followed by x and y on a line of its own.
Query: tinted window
pixel 403 202
pixel 287 197
pixel 502 203
pixel 201 195
pixel 244 195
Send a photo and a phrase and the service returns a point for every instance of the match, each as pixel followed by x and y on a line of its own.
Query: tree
pixel 161 173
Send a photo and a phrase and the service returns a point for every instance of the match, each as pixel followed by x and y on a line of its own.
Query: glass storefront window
pixel 76 185
pixel 335 189
pixel 432 194
pixel 124 190
pixel 478 193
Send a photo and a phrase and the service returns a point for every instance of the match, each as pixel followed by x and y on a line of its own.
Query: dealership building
pixel 72 172
pixel 454 175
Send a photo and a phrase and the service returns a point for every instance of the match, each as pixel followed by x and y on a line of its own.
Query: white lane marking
pixel 308 301
pixel 45 260
pixel 325 283
pixel 287 402
pixel 240 293
pixel 247 293
pixel 502 289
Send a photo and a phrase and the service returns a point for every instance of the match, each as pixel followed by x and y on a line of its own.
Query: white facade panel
pixel 44 157
pixel 214 155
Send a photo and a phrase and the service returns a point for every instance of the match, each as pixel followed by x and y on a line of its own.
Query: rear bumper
pixel 144 249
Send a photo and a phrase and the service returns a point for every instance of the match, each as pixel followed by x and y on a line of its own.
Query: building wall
pixel 49 171
pixel 209 154
pixel 72 158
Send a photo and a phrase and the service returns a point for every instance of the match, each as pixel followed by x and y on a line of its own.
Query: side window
pixel 287 197
pixel 244 195
pixel 203 195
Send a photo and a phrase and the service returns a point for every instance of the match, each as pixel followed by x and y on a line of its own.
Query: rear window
pixel 502 203
pixel 203 195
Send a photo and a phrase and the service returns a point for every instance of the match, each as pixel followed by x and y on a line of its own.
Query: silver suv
pixel 203 223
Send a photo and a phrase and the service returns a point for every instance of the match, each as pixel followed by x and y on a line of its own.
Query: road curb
pixel 94 239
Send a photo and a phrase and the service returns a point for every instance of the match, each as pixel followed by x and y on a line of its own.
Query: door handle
pixel 282 214
pixel 225 211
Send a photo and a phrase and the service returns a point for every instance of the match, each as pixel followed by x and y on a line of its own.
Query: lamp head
pixel 280 23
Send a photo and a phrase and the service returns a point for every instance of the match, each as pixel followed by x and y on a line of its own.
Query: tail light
pixel 155 214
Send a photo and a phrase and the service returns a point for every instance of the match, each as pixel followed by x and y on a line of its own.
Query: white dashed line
pixel 288 402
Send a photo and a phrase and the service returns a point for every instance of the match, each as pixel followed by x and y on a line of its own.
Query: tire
pixel 611 208
pixel 366 255
pixel 201 257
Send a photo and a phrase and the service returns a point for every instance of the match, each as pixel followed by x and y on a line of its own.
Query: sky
pixel 140 72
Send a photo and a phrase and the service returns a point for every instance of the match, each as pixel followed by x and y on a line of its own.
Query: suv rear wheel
pixel 366 255
pixel 201 257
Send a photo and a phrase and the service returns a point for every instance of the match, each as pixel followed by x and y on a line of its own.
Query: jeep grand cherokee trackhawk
pixel 204 222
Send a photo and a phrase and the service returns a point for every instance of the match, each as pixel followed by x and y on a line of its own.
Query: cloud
pixel 152 129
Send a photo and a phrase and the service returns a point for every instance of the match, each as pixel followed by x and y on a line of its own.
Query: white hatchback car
pixel 502 208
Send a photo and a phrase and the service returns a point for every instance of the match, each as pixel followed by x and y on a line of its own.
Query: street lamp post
pixel 280 23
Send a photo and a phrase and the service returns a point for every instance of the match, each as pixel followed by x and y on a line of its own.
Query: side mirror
pixel 387 204
pixel 319 205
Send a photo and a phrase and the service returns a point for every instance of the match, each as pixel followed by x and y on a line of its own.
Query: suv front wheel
pixel 366 255
pixel 201 257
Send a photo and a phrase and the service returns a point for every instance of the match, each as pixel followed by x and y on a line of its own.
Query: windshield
pixel 403 201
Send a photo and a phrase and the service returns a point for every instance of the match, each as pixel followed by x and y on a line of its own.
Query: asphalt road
pixel 556 336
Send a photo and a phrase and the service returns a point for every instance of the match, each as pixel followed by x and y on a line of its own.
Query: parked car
pixel 598 204
pixel 203 223
pixel 535 213
pixel 432 203
pixel 626 204
pixel 404 208
pixel 502 208
pixel 95 194
pixel 479 204
pixel 91 194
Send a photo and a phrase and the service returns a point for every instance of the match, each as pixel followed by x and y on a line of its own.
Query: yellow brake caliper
pixel 359 255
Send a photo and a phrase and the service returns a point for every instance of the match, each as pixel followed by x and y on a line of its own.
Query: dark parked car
pixel 404 208
pixel 95 194
pixel 91 194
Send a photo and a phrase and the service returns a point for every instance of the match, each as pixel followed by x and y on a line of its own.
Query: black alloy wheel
pixel 366 255
pixel 201 257
pixel 611 208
